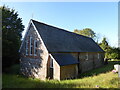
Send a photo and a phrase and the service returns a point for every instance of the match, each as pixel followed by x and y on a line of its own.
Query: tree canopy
pixel 86 32
pixel 12 28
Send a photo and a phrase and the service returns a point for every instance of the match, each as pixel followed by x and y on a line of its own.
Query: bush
pixel 113 53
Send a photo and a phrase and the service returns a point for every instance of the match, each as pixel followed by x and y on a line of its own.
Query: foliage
pixel 111 52
pixel 114 53
pixel 14 69
pixel 86 32
pixel 11 36
pixel 97 78
pixel 104 45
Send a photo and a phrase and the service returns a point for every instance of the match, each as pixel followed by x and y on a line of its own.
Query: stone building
pixel 51 52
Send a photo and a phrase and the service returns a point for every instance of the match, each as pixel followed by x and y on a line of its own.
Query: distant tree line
pixel 110 52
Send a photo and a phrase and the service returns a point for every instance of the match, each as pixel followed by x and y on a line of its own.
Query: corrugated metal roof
pixel 64 59
pixel 59 40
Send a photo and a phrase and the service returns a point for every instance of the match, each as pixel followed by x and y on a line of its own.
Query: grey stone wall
pixel 92 62
pixel 34 65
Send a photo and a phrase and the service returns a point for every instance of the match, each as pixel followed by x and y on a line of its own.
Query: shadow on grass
pixel 103 69
pixel 18 81
pixel 13 79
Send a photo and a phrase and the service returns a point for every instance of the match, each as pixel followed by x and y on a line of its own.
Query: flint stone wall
pixel 34 65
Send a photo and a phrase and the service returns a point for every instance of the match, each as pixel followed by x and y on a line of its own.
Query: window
pixel 35 47
pixel 31 45
pixel 98 56
pixel 51 63
pixel 86 56
pixel 26 47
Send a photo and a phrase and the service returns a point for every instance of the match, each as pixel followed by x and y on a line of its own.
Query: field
pixel 98 78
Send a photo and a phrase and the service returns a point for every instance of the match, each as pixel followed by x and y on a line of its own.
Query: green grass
pixel 101 77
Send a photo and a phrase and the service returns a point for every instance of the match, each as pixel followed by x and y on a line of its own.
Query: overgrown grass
pixel 106 80
pixel 98 78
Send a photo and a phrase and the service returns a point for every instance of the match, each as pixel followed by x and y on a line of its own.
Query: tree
pixel 104 45
pixel 86 32
pixel 110 52
pixel 12 28
pixel 114 53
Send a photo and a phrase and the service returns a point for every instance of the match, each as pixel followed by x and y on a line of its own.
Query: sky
pixel 101 17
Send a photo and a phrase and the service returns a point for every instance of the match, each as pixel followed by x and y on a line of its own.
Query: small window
pixel 98 56
pixel 86 56
pixel 35 47
pixel 26 47
pixel 51 63
pixel 31 45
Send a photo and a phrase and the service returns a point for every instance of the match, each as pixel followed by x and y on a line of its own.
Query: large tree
pixel 86 32
pixel 12 28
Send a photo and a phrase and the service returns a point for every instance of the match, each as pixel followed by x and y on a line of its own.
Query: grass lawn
pixel 97 78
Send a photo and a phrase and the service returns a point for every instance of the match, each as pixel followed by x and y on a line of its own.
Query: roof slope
pixel 59 40
pixel 64 59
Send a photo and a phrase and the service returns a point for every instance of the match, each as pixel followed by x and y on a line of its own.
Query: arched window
pixel 35 47
pixel 51 63
pixel 26 47
pixel 31 45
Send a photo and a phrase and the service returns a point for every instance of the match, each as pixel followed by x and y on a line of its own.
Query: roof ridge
pixel 60 29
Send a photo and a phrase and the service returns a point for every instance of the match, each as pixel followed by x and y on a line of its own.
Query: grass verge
pixel 97 78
